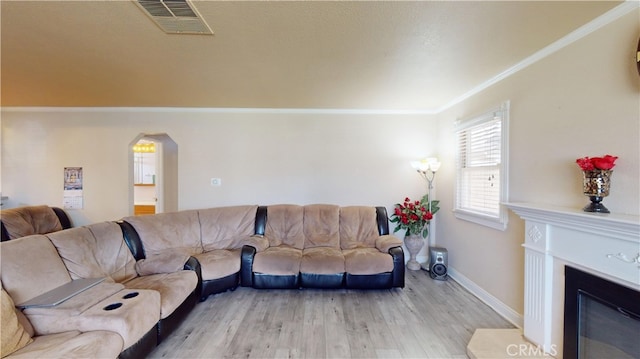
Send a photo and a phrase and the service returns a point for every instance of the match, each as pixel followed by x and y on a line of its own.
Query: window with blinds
pixel 481 178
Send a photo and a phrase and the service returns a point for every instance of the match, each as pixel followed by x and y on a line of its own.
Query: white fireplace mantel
pixel 607 245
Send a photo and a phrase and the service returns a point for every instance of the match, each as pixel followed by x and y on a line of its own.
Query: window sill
pixel 484 220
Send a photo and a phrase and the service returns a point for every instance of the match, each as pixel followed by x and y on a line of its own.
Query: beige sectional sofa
pixel 156 267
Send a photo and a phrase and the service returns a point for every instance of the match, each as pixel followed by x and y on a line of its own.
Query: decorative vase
pixel 596 185
pixel 414 244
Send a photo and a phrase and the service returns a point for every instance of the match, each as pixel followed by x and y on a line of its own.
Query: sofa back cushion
pixel 29 220
pixel 284 225
pixel 226 227
pixel 174 231
pixel 358 227
pixel 321 226
pixel 31 266
pixel 95 251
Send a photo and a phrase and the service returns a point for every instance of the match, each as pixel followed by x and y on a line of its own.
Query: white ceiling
pixel 387 55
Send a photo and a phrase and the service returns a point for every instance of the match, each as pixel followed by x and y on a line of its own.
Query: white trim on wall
pixel 504 310
pixel 304 111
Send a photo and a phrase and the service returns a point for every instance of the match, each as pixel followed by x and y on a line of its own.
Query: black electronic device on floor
pixel 438 263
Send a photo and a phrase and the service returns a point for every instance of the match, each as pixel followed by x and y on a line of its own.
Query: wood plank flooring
pixel 426 319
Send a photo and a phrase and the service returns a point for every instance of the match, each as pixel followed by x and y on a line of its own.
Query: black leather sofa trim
pixel 4 235
pixel 142 347
pixel 132 239
pixel 311 280
pixel 261 220
pixel 167 325
pixel 398 267
pixel 383 221
pixel 219 285
pixel 373 281
pixel 194 265
pixel 246 266
pixel 270 281
pixel 62 217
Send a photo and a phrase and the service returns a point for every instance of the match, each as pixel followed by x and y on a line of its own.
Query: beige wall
pixel 262 157
pixel 581 101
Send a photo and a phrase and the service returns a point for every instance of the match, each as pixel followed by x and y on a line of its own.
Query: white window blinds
pixel 481 164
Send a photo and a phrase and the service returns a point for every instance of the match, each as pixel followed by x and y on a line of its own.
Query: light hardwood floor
pixel 426 319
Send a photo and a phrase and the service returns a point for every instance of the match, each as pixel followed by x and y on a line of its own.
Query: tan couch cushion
pixel 322 260
pixel 95 251
pixel 13 336
pixel 173 287
pixel 226 227
pixel 358 227
pixel 73 345
pixel 25 221
pixel 284 225
pixel 31 266
pixel 280 260
pixel 167 262
pixel 321 226
pixel 219 263
pixel 365 261
pixel 174 230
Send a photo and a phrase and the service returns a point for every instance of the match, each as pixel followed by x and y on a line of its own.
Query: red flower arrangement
pixel 597 163
pixel 413 216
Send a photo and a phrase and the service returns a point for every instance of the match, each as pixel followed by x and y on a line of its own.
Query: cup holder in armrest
pixel 130 295
pixel 112 306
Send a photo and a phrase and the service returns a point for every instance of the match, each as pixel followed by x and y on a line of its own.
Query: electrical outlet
pixel 216 181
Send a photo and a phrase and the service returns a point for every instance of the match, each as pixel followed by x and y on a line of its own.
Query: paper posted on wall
pixel 73 197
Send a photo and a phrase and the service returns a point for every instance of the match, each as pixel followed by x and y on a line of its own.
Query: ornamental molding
pixel 620 226
pixel 534 234
pixel 623 257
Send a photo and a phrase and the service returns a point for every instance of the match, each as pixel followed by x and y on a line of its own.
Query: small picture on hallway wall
pixel 73 198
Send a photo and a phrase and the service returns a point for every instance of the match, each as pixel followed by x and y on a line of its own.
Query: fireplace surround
pixel 606 246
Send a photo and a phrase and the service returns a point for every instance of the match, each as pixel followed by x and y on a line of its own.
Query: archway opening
pixel 153 175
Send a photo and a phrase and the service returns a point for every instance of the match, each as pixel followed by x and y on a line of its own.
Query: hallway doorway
pixel 153 164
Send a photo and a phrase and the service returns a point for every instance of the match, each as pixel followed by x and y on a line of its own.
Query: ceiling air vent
pixel 175 16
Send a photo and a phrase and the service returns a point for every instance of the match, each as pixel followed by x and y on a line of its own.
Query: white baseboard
pixel 504 310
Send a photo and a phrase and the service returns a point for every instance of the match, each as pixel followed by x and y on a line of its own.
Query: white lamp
pixel 427 168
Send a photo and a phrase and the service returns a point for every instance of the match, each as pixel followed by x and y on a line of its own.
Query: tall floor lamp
pixel 427 169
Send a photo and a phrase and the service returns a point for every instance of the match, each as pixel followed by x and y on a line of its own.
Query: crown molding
pixel 222 110
pixel 602 20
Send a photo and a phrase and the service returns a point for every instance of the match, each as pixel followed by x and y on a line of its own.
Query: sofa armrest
pixel 385 243
pixel 194 265
pixel 398 267
pixel 246 266
pixel 168 262
pixel 260 243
